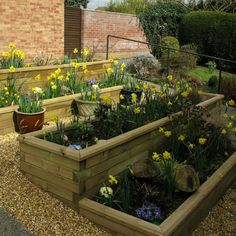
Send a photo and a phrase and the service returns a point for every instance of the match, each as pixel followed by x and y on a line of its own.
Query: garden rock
pixel 186 179
pixel 145 169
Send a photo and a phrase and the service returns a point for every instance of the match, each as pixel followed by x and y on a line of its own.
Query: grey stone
pixel 186 179
pixel 145 168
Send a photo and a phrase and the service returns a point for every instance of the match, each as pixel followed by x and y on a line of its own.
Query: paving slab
pixel 10 227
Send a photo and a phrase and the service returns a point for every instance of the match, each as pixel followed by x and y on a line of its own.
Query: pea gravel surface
pixel 43 215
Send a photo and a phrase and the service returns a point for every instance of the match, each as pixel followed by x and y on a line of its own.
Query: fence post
pixel 107 49
pixel 220 78
pixel 168 61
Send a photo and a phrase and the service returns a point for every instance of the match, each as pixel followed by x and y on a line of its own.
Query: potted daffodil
pixel 30 113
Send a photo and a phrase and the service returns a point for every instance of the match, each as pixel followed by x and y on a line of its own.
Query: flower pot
pixel 86 108
pixel 29 122
pixel 128 96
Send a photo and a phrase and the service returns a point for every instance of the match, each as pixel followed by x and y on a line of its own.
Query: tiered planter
pixel 60 107
pixel 74 175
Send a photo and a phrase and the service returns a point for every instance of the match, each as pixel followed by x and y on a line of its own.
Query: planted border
pixel 71 175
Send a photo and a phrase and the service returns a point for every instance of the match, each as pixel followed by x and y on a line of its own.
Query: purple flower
pixel 147 212
pixel 92 81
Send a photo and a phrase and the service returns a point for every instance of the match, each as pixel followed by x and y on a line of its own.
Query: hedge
pixel 214 33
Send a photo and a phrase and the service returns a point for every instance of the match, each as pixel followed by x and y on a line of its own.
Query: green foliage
pixel 161 20
pixel 129 6
pixel 213 81
pixel 77 3
pixel 10 91
pixel 212 32
pixel 180 60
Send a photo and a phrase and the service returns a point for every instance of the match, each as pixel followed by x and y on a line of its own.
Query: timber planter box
pixel 27 74
pixel 71 175
pixel 60 106
pixel 181 222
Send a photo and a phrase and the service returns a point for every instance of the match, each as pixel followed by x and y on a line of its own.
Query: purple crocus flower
pixel 147 212
pixel 92 81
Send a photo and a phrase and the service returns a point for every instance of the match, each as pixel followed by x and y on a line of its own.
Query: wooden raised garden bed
pixel 60 106
pixel 71 174
pixel 181 222
pixel 28 74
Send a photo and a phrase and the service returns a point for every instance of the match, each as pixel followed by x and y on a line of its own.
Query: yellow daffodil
pixel 184 94
pixel 166 155
pixel 181 138
pixel 12 69
pixel 191 146
pixel 167 133
pixel 145 86
pixel 156 157
pixel 7 93
pixel 84 67
pixel 58 71
pixel 110 70
pixel 86 71
pixel 60 77
pixel 112 180
pixel 226 116
pixel 75 51
pixel 6 54
pixel 199 92
pixel 230 125
pixel 170 77
pixel 123 66
pixel 94 97
pixel 202 141
pixel 37 77
pixel 161 130
pixel 137 110
pixel 54 87
pixel 231 102
pixel 12 45
pixel 115 62
pixel 107 100
pixel 224 131
pixel 169 103
pixel 5 88
pixel 133 98
pixel 122 97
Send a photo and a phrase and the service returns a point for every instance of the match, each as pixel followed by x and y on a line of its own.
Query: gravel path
pixel 44 215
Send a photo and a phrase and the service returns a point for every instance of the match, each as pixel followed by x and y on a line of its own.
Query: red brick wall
pixel 96 25
pixel 33 26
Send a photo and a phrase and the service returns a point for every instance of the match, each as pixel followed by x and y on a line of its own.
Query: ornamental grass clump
pixel 12 58
pixel 10 89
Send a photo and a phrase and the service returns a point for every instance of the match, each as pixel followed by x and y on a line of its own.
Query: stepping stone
pixel 10 227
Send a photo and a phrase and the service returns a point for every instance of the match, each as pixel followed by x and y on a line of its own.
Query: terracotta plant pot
pixel 29 122
pixel 86 108
pixel 128 96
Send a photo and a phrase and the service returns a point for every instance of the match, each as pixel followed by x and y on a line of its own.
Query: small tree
pixel 77 3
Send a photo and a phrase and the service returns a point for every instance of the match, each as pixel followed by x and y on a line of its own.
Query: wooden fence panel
pixel 72 30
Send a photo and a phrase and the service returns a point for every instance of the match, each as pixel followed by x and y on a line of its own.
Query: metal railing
pixel 219 59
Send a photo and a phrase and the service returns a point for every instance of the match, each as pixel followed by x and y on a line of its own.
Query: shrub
pixel 144 66
pixel 162 19
pixel 214 33
pixel 169 42
pixel 180 60
pixel 212 82
pixel 128 6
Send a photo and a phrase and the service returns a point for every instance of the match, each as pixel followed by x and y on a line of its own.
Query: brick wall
pixel 96 25
pixel 33 26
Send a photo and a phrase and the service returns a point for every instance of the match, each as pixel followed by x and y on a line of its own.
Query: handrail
pixel 169 50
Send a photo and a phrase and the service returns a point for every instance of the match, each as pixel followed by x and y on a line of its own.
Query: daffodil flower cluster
pixel 13 58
